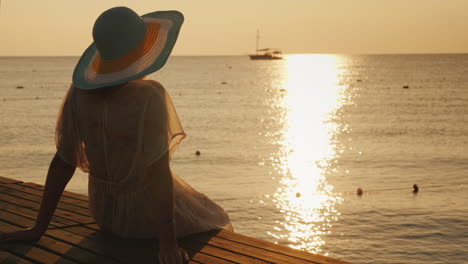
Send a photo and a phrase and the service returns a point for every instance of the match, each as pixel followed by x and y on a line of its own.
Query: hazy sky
pixel 63 27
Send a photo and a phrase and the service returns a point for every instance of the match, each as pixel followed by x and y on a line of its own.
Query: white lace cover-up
pixel 114 136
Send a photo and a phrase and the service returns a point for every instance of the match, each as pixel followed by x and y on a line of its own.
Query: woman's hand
pixel 172 255
pixel 27 234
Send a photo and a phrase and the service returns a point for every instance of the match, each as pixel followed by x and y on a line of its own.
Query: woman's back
pixel 116 134
pixel 116 129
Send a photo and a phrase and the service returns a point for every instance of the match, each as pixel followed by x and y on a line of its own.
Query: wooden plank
pixel 193 245
pixel 206 259
pixel 224 254
pixel 8 258
pixel 259 253
pixel 30 250
pixel 57 246
pixel 129 248
pixel 126 249
pixel 92 226
pixel 37 199
pixel 70 252
pixel 17 219
pixel 81 231
pixel 33 253
pixel 25 193
pixel 103 245
pixel 35 206
pixel 8 180
pixel 33 191
pixel 65 193
pixel 73 236
pixel 202 253
pixel 73 252
pixel 32 214
pixel 254 252
pixel 277 248
pixel 268 250
pixel 90 232
pixel 67 237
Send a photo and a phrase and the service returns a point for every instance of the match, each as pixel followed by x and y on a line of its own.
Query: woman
pixel 122 130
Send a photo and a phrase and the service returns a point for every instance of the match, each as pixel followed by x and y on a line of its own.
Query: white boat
pixel 266 53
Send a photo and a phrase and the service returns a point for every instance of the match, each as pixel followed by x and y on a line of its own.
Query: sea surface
pixel 285 145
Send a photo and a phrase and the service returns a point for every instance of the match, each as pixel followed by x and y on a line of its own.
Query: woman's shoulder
pixel 147 87
pixel 139 91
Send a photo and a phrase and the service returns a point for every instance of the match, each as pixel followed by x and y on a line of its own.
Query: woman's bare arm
pixel 58 176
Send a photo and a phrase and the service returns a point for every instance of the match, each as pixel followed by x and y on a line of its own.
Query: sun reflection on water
pixel 311 93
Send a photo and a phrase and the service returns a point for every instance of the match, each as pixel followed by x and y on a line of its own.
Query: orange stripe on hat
pixel 102 66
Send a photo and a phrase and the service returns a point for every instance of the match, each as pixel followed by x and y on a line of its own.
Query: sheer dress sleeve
pixel 162 128
pixel 70 147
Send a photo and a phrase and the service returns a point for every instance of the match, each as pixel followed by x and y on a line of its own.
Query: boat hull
pixel 264 57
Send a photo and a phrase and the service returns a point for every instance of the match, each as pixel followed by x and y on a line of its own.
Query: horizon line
pixel 286 54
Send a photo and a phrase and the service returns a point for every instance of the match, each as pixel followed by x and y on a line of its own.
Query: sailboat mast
pixel 258 36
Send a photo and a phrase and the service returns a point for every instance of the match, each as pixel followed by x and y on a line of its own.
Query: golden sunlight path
pixel 73 237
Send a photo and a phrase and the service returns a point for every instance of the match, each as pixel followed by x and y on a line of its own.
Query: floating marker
pixel 359 191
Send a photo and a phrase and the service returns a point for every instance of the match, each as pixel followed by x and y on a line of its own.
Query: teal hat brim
pixel 83 81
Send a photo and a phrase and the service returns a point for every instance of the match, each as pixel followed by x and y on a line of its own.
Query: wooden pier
pixel 74 237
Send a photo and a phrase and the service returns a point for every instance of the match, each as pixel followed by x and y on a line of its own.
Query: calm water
pixel 285 144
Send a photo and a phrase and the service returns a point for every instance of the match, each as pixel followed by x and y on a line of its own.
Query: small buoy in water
pixel 406 87
pixel 415 188
pixel 19 87
pixel 359 191
pixel 223 82
pixel 197 153
pixel 298 194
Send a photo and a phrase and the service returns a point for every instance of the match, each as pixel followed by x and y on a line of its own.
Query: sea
pixel 284 146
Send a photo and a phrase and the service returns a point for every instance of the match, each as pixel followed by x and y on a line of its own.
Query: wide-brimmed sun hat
pixel 126 47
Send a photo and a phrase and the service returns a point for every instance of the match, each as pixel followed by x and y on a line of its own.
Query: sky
pixel 220 27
